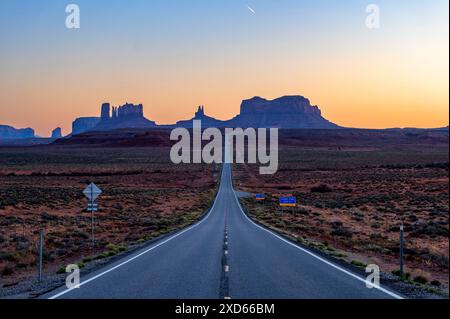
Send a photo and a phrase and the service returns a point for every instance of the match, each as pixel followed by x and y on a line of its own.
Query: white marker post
pixel 92 192
pixel 41 243
pixel 401 250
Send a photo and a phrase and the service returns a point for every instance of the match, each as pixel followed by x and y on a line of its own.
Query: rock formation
pixel 125 116
pixel 207 121
pixel 106 110
pixel 285 112
pixel 57 133
pixel 289 112
pixel 84 124
pixel 9 132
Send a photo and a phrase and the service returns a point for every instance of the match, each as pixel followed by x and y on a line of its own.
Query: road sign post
pixel 92 223
pixel 92 192
pixel 401 250
pixel 40 248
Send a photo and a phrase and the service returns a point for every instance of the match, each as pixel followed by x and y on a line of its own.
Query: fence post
pixel 41 243
pixel 401 250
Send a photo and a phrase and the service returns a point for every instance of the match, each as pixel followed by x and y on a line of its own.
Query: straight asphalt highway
pixel 225 255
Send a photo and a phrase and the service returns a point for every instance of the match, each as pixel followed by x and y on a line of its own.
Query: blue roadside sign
pixel 288 201
pixel 260 197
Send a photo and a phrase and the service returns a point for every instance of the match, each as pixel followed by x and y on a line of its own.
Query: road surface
pixel 225 255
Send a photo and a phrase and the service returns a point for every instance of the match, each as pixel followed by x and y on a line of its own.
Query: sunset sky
pixel 172 55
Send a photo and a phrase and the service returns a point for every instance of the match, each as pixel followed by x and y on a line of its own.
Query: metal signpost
pixel 41 243
pixel 92 192
pixel 401 250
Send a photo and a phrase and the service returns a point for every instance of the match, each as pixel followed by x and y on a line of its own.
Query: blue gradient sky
pixel 172 55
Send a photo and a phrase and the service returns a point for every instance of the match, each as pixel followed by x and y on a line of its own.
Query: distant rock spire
pixel 105 113
pixel 114 113
pixel 57 133
pixel 200 112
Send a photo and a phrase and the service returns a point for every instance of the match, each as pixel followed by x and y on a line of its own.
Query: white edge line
pixel 144 252
pixel 312 254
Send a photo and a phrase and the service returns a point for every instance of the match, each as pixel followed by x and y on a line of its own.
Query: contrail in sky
pixel 253 11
